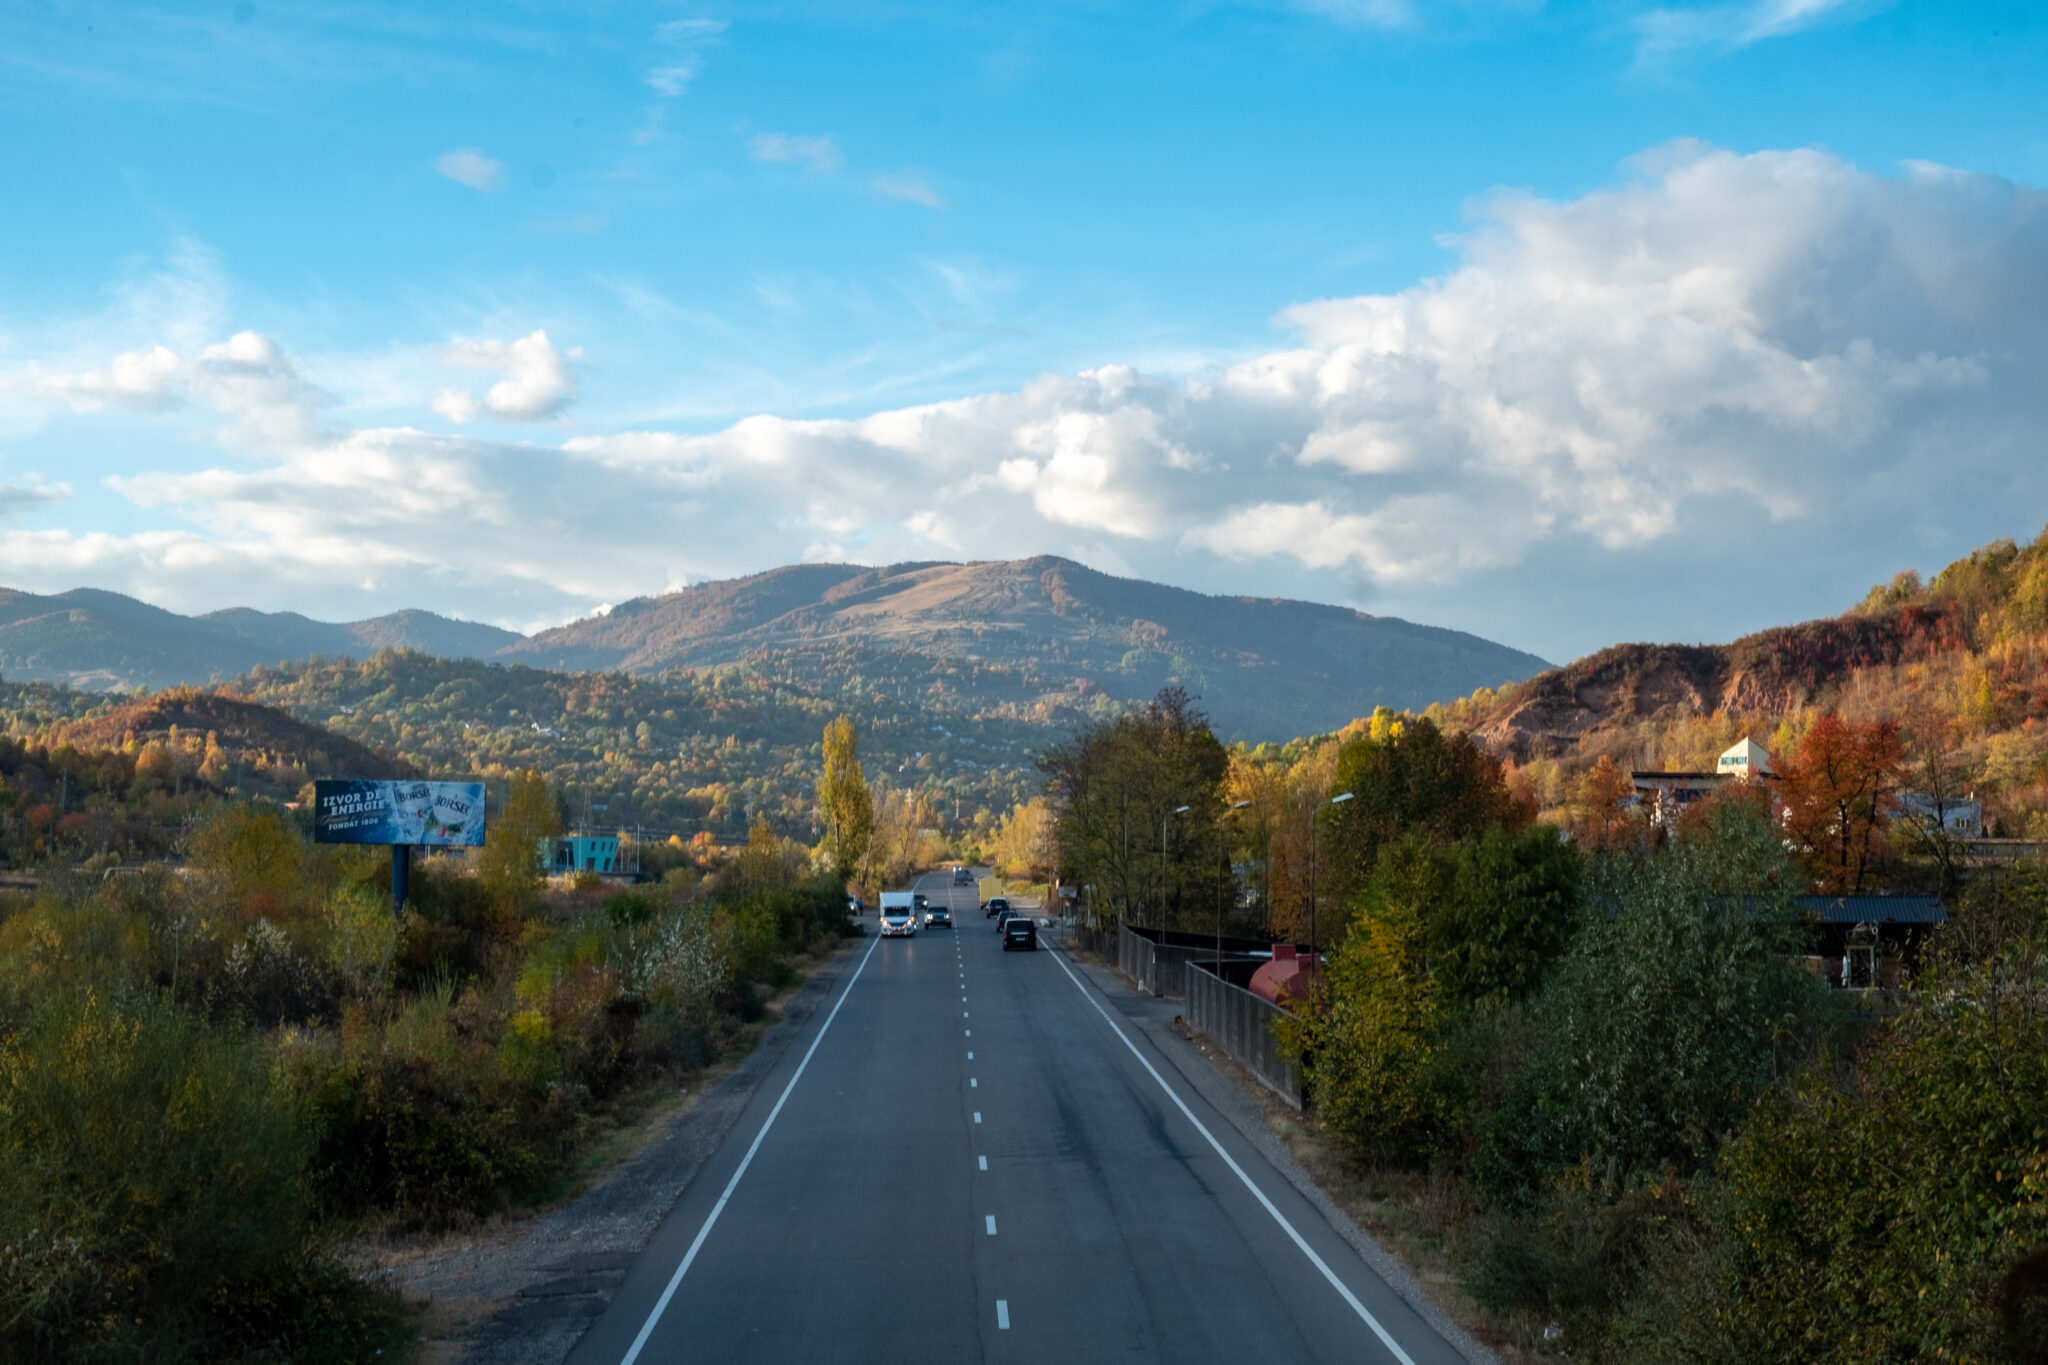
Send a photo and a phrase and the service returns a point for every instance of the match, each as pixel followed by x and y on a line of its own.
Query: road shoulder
pixel 527 1295
pixel 1212 1076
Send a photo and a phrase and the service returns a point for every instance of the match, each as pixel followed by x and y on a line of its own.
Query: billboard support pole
pixel 401 878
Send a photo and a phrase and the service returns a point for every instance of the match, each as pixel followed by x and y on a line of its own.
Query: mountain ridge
pixel 1040 629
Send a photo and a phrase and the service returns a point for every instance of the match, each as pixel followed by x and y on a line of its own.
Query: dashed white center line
pixel 970 1055
pixel 973 1084
pixel 977 1116
pixel 984 1163
pixel 1003 1314
pixel 968 1031
pixel 963 1014
pixel 991 1225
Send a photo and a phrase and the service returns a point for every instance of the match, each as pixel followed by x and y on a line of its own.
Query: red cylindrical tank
pixel 1287 977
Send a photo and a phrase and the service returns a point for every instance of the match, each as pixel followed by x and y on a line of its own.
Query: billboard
pixel 363 811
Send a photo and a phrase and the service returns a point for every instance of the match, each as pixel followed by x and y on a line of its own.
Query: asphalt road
pixel 966 1158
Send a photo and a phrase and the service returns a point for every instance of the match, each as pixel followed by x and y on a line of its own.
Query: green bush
pixel 1676 1005
pixel 1884 1213
pixel 152 1196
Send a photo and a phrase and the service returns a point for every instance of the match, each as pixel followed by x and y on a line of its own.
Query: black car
pixel 994 905
pixel 1020 931
pixel 1004 916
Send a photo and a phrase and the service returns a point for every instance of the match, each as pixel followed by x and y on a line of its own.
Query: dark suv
pixel 995 905
pixel 1020 931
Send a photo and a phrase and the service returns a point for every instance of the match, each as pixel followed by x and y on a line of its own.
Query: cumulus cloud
pixel 469 166
pixel 18 498
pixel 537 380
pixel 820 154
pixel 247 378
pixel 1752 368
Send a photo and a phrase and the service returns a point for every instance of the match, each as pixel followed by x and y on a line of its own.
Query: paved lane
pixel 974 1164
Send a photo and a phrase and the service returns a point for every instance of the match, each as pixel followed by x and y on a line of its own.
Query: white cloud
pixel 820 154
pixel 909 188
pixel 672 78
pixel 537 379
pixel 1665 31
pixel 469 166
pixel 146 381
pixel 1750 369
pixel 17 498
pixel 247 378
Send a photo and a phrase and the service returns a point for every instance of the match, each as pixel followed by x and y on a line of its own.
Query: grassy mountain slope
pixel 1052 629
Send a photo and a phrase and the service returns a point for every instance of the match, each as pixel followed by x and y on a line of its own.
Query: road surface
pixel 968 1157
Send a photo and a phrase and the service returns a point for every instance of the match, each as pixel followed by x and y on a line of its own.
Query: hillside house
pixel 1667 793
pixel 1959 817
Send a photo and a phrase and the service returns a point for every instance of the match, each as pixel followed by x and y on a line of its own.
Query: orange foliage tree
pixel 1839 793
pixel 1605 818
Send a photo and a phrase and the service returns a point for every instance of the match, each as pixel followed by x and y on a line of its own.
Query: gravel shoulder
pixel 523 1291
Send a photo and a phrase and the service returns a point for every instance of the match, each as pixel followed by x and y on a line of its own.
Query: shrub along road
pixel 968 1157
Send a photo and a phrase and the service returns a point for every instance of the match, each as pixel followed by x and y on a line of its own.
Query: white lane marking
pixel 1003 1314
pixel 977 1116
pixel 970 1056
pixel 1318 1262
pixel 963 1013
pixel 676 1280
pixel 984 1163
pixel 991 1225
pixel 968 1031
pixel 973 1084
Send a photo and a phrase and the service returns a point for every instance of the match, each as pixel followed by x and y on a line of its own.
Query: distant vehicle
pixel 1020 932
pixel 995 905
pixel 938 917
pixel 963 876
pixel 899 915
pixel 1005 915
pixel 916 901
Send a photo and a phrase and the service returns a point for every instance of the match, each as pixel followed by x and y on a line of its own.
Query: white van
pixel 899 914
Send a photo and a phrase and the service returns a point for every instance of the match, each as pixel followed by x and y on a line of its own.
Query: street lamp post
pixel 1235 805
pixel 1336 800
pixel 1177 810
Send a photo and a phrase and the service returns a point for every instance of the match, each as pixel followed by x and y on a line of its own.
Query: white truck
pixel 899 914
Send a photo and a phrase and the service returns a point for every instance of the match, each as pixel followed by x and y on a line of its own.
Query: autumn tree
pixel 843 797
pixel 510 861
pixel 252 859
pixel 1604 817
pixel 1839 792
pixel 1416 779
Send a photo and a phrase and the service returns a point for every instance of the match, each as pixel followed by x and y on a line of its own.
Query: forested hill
pixel 107 642
pixel 1027 639
pixel 1045 629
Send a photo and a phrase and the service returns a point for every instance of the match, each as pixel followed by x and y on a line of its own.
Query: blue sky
pixel 1561 323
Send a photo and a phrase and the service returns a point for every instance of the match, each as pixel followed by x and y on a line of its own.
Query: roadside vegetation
pixel 209 1074
pixel 1585 1062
